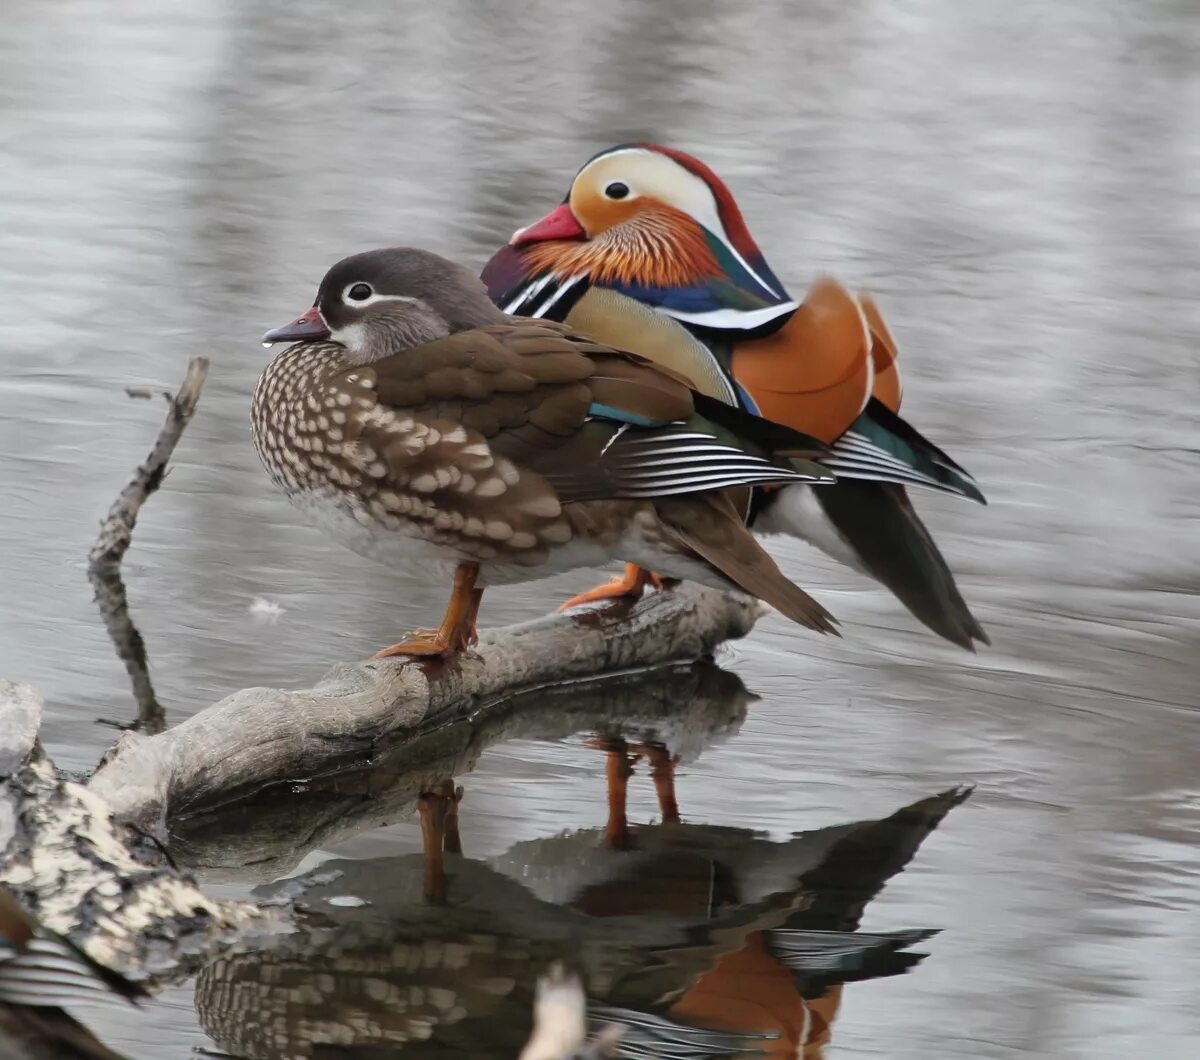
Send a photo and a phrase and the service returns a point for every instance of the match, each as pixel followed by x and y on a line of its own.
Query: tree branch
pixel 116 532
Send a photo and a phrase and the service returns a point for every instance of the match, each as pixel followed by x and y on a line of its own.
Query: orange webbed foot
pixel 629 585
pixel 457 631
pixel 432 644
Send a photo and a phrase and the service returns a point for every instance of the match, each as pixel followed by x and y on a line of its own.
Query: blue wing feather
pixel 607 412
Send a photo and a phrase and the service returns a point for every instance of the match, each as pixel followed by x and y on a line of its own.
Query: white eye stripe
pixel 663 178
pixel 359 303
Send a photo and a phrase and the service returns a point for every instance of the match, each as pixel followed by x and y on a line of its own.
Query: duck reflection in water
pixel 699 940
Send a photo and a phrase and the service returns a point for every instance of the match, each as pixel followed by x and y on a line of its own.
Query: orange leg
pixel 438 808
pixel 457 631
pixel 662 772
pixel 631 584
pixel 618 768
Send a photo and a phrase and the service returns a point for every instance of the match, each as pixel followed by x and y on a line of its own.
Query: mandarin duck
pixel 40 971
pixel 650 252
pixel 702 942
pixel 426 429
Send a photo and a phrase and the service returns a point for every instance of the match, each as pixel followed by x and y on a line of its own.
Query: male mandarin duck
pixel 426 429
pixel 650 252
pixel 40 971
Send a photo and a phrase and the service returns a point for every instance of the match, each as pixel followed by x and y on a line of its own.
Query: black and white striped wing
pixel 838 951
pixel 546 297
pixel 676 459
pixel 50 971
pixel 882 447
pixel 650 1037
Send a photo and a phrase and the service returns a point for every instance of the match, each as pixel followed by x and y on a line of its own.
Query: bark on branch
pixel 262 736
pixel 116 532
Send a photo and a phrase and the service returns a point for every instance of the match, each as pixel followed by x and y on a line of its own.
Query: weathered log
pixel 110 889
pixel 264 835
pixel 262 736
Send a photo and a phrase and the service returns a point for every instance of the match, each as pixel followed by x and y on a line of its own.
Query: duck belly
pixel 410 554
pixel 352 525
pixel 796 511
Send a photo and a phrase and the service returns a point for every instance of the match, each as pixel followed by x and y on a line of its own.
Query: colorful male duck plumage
pixel 428 430
pixel 650 250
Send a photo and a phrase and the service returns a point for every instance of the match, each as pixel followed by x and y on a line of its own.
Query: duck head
pixel 658 225
pixel 386 301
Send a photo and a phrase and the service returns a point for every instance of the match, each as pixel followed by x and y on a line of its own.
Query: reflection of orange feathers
pixel 751 992
pixel 815 372
pixel 884 353
pixel 666 248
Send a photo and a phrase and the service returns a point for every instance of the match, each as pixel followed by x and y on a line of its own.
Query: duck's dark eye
pixel 360 292
pixel 616 190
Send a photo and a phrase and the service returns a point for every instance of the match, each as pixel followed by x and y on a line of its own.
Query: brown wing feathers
pixel 711 527
pixel 482 436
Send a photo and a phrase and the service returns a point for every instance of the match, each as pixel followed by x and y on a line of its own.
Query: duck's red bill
pixel 309 326
pixel 559 223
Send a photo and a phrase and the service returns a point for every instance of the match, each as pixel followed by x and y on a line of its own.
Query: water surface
pixel 1015 182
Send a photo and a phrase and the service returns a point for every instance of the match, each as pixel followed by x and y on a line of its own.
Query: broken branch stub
pixel 116 531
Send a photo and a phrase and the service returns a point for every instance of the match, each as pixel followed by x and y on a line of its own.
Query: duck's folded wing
pixel 881 447
pixel 590 421
pixel 607 460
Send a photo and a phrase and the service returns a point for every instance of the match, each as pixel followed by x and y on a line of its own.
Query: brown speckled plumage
pixel 482 446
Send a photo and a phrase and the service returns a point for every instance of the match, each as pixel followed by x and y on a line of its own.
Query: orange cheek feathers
pixel 814 373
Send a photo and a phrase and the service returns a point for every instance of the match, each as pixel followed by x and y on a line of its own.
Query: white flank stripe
pixel 555 297
pixel 735 319
pixel 527 294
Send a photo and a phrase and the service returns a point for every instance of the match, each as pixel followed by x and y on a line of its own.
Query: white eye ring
pixel 351 298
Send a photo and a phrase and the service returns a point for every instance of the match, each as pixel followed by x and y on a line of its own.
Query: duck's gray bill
pixel 309 326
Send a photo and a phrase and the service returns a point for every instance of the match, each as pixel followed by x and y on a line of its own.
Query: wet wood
pixel 263 736
pixel 266 834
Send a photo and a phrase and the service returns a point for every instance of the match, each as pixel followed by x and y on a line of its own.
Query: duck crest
pixel 727 210
pixel 691 259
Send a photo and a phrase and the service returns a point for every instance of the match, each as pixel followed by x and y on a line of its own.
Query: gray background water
pixel 1017 184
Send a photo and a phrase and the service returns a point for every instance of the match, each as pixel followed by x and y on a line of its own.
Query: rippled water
pixel 1017 184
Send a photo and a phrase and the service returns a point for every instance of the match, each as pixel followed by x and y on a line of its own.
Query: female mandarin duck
pixel 426 429
pixel 650 252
